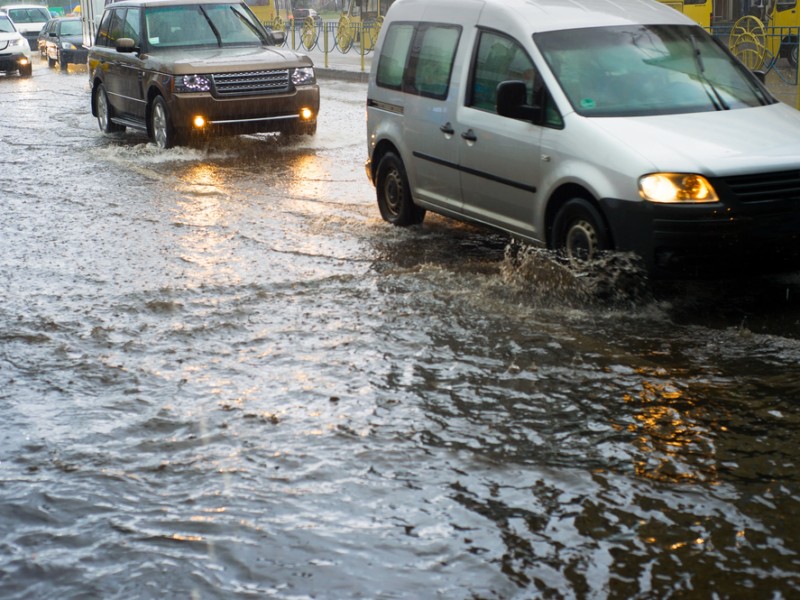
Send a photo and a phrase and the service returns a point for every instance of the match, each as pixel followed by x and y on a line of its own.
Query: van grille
pixel 780 186
pixel 251 82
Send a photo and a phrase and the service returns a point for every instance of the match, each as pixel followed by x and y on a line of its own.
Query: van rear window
pixel 418 58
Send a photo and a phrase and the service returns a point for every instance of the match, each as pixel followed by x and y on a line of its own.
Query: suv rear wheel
pixel 104 111
pixel 160 127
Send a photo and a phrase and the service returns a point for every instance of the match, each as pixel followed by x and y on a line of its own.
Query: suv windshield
pixel 647 70
pixel 210 25
pixel 29 15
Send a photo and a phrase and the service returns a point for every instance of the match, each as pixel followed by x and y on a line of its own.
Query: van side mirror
pixel 511 97
pixel 126 45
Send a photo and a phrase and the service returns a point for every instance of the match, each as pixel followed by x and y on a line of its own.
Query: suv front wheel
pixel 160 127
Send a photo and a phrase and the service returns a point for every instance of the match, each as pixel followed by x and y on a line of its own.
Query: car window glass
pixel 431 61
pixel 103 30
pixel 117 27
pixel 70 28
pixel 29 15
pixel 130 27
pixel 210 25
pixel 500 58
pixel 5 25
pixel 634 70
pixel 394 54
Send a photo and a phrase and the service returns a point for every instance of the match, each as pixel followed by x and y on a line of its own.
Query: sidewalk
pixel 350 66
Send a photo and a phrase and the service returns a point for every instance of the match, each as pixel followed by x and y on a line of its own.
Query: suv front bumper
pixel 254 114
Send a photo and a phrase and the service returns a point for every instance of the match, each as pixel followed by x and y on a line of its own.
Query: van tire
pixel 394 194
pixel 579 231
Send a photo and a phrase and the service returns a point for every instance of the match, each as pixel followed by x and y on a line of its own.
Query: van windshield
pixel 636 70
pixel 204 25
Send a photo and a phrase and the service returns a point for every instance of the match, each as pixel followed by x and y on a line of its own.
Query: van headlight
pixel 676 188
pixel 303 76
pixel 192 83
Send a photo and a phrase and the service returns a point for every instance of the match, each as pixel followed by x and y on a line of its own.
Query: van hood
pixel 225 60
pixel 714 143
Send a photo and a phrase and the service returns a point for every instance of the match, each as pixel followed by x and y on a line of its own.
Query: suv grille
pixel 766 187
pixel 251 82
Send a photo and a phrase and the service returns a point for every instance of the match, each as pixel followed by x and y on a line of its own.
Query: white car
pixel 28 18
pixel 15 53
pixel 586 126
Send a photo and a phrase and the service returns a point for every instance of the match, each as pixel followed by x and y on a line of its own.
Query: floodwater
pixel 223 376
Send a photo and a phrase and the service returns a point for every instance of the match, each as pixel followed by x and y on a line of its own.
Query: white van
pixel 586 125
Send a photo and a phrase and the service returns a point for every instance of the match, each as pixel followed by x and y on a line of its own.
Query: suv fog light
pixel 306 114
pixel 24 61
pixel 199 121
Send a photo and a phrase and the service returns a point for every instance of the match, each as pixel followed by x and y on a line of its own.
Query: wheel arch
pixel 560 197
pixel 152 92
pixel 382 148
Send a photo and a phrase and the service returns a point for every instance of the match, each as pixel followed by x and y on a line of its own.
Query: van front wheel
pixel 394 194
pixel 580 232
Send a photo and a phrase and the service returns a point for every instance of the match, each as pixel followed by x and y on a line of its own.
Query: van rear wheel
pixel 580 231
pixel 394 194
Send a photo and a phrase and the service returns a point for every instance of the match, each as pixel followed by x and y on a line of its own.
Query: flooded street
pixel 222 375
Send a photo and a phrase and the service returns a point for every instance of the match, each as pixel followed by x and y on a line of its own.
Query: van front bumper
pixel 716 240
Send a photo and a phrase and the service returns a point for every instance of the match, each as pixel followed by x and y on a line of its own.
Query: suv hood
pixel 225 60
pixel 713 143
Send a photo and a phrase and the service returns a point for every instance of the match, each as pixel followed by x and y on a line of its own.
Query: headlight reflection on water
pixel 674 441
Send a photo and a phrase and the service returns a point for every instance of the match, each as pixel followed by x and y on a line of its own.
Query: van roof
pixel 548 15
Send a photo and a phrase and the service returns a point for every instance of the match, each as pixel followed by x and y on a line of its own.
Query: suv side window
pixel 130 28
pixel 418 58
pixel 103 31
pixel 500 58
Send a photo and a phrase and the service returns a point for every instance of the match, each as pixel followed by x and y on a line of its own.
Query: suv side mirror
pixel 278 36
pixel 511 96
pixel 126 45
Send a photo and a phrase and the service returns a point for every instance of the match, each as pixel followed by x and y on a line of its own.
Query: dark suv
pixel 174 67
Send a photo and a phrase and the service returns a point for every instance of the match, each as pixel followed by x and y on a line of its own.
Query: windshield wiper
pixel 717 100
pixel 213 27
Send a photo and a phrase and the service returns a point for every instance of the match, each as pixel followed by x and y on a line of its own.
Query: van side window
pixel 418 58
pixel 394 54
pixel 431 62
pixel 500 58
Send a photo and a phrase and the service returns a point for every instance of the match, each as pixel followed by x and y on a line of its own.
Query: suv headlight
pixel 676 188
pixel 303 76
pixel 192 83
pixel 68 46
pixel 21 42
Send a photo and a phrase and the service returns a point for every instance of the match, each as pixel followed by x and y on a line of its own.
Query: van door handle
pixel 447 129
pixel 469 135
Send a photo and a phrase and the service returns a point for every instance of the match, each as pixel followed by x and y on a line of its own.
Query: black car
pixel 61 41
